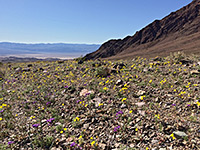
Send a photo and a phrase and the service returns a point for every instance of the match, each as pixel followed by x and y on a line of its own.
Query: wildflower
pixel 50 120
pixel 157 116
pixel 61 132
pixel 198 103
pixel 1 118
pixel 100 104
pixel 150 81
pixel 4 105
pixel 65 129
pixel 136 129
pixel 48 103
pixel 92 143
pixel 116 128
pixel 142 97
pixel 130 111
pixel 105 88
pixel 124 99
pixel 86 105
pixel 10 142
pixel 80 137
pixel 73 144
pixel 76 119
pixel 1 99
pixel 35 125
pixel 173 104
pixel 172 135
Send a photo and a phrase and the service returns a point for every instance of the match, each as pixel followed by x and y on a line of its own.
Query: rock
pixel 162 149
pixel 102 145
pixel 19 69
pixel 140 93
pixel 41 69
pixel 26 69
pixel 179 134
pixel 195 72
pixel 145 70
pixel 140 104
pixel 123 106
pixel 97 101
pixel 85 126
pixel 29 65
pixel 60 61
pixel 117 145
pixel 85 92
pixel 119 82
pixel 141 112
pixel 119 66
pixel 80 61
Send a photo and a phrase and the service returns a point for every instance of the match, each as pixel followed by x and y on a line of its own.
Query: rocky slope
pixel 179 31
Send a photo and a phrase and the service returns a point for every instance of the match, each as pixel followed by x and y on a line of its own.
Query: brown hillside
pixel 179 31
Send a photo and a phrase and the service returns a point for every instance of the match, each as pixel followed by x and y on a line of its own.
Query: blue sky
pixel 78 21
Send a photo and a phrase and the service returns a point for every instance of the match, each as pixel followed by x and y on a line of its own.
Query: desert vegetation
pixel 75 104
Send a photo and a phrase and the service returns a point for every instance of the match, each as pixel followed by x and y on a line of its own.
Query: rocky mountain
pixel 179 31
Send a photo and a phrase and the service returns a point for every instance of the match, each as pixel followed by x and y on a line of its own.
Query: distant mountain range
pixel 179 31
pixel 8 48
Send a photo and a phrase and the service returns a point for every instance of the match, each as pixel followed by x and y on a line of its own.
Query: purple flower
pixel 188 105
pixel 35 125
pixel 78 101
pixel 10 142
pixel 119 112
pixel 84 84
pixel 116 128
pixel 1 110
pixel 73 144
pixel 50 120
pixel 48 103
pixel 87 94
pixel 66 87
pixel 173 104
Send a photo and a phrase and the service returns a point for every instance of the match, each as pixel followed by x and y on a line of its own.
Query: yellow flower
pixel 92 143
pixel 136 129
pixel 123 99
pixel 63 104
pixel 1 99
pixel 86 105
pixel 76 119
pixel 100 104
pixel 61 132
pixel 80 137
pixel 130 111
pixel 198 103
pixel 172 135
pixel 157 116
pixel 150 81
pixel 91 138
pixel 65 129
pixel 1 118
pixel 105 88
pixel 4 105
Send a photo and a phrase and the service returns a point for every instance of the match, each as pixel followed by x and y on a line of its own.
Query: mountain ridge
pixel 181 23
